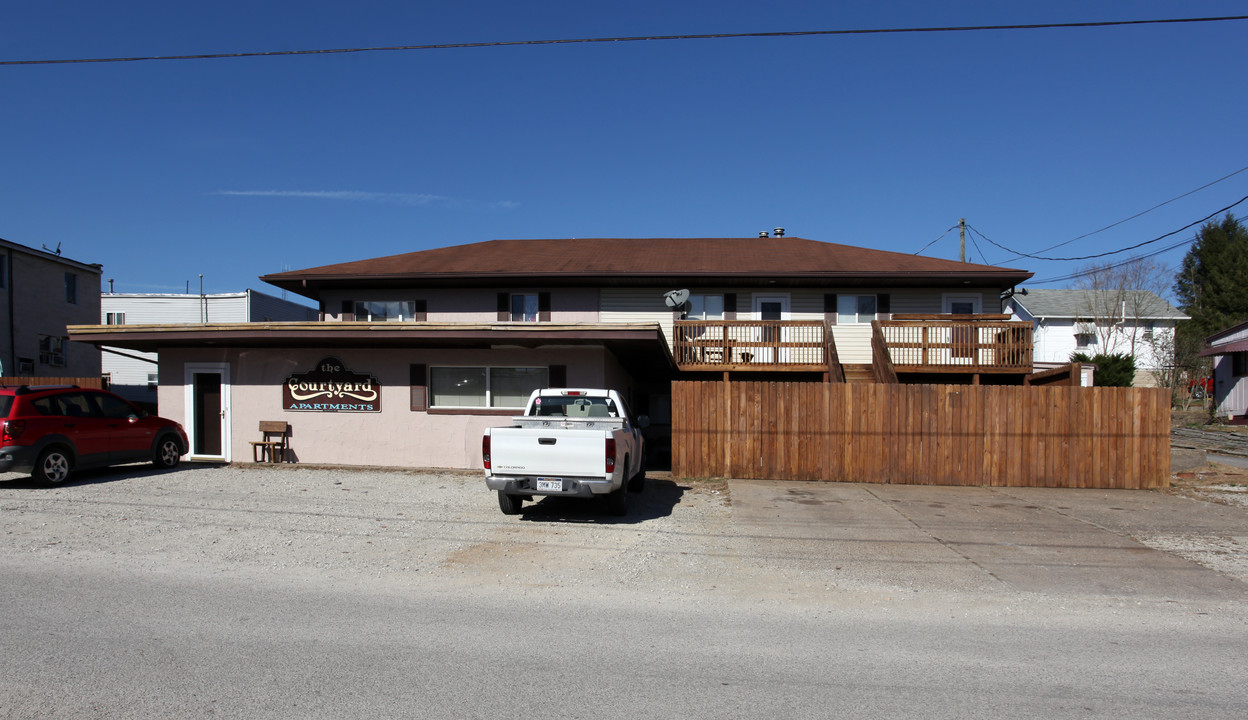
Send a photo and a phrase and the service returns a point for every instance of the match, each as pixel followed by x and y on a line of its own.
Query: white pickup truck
pixel 571 442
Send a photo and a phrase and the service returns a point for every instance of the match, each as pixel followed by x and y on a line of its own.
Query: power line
pixel 1128 261
pixel 1145 212
pixel 1120 250
pixel 982 257
pixel 639 38
pixel 955 227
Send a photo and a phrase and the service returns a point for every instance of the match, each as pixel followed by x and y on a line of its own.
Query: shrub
pixel 1112 370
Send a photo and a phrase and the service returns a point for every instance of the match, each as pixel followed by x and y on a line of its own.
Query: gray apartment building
pixel 41 293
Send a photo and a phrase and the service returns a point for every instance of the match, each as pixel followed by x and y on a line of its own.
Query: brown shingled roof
pixel 661 260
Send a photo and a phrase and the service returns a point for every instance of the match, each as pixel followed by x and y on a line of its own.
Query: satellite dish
pixel 676 298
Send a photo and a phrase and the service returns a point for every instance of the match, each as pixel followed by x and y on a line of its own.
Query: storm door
pixel 207 410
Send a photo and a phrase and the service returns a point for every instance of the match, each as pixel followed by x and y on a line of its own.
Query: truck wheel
pixel 638 483
pixel 509 504
pixel 617 501
pixel 1198 392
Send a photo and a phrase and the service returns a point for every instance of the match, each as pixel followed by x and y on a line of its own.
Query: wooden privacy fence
pixel 87 382
pixel 923 434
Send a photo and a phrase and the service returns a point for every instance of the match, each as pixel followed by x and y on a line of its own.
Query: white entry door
pixel 964 339
pixel 771 307
pixel 207 406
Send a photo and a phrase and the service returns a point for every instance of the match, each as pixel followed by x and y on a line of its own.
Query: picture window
pixel 485 387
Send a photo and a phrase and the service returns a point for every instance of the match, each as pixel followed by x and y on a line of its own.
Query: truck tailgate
pixel 548 452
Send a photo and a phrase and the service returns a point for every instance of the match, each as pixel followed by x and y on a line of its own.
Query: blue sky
pixel 235 168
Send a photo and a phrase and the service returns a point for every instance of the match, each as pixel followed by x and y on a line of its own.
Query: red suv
pixel 51 429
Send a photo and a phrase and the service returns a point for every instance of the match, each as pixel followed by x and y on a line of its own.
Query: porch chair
pixel 274 443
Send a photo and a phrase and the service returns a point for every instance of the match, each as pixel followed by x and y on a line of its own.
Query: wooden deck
pixel 945 344
pixel 967 344
pixel 757 345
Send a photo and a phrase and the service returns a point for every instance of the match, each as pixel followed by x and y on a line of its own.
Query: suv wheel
pixel 168 452
pixel 52 466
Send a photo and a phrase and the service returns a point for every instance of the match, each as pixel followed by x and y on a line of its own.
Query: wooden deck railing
pixel 978 344
pixel 786 345
pixel 903 344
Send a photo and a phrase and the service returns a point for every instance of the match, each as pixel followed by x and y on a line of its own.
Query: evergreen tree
pixel 1212 285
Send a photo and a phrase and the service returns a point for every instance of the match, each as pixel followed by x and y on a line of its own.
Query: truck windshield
pixel 575 407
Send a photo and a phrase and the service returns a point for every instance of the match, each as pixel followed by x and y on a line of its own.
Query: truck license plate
pixel 550 484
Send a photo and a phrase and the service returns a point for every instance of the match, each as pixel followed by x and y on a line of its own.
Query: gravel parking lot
pixel 361 525
pixel 749 541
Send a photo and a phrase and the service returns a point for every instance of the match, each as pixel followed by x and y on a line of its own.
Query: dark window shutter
pixel 829 308
pixel 348 310
pixel 420 391
pixel 421 311
pixel 557 376
pixel 543 307
pixel 730 306
pixel 504 307
pixel 883 306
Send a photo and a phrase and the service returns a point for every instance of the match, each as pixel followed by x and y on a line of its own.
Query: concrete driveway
pixel 1143 544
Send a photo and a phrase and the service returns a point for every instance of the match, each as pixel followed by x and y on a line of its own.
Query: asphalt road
pixel 227 594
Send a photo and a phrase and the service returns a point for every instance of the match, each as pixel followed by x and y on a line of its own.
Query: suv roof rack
pixel 23 389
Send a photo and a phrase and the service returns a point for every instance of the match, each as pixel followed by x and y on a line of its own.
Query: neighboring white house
pixel 133 374
pixel 1229 350
pixel 1132 322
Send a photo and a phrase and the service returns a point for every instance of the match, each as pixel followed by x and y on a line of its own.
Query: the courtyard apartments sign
pixel 331 387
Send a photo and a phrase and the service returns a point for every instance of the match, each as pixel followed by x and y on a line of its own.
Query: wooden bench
pixel 272 448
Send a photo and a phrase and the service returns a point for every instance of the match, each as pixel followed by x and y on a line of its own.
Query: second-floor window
pixel 115 318
pixel 52 350
pixel 705 307
pixel 71 288
pixel 390 311
pixel 855 309
pixel 524 307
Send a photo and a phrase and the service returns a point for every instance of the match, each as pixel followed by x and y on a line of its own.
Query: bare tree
pixel 1117 297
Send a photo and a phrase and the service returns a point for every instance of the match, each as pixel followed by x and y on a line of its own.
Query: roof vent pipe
pixel 779 232
pixel 763 234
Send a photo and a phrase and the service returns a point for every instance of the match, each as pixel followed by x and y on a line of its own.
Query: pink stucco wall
pixel 396 436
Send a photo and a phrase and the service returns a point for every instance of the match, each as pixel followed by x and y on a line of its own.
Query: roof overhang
pixel 1225 349
pixel 312 286
pixel 640 347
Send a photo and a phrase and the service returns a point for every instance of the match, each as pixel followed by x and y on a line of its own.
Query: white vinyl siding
pixel 130 376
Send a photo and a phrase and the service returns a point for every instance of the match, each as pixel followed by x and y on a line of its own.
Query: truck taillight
pixel 485 451
pixel 610 455
pixel 13 429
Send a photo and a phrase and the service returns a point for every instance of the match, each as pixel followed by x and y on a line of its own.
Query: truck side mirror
pixel 643 421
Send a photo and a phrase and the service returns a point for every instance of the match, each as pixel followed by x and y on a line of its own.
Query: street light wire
pixel 638 38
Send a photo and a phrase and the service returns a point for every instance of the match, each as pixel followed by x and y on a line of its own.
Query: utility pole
pixel 962 245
